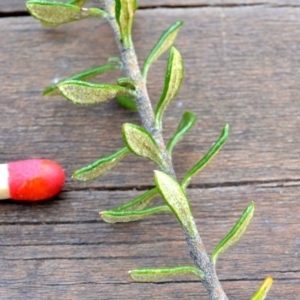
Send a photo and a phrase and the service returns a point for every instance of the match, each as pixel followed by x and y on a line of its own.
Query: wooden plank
pixel 82 255
pixel 78 290
pixel 18 6
pixel 241 68
pixel 248 60
pixel 218 3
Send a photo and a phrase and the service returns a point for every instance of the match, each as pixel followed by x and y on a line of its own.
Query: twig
pixel 145 110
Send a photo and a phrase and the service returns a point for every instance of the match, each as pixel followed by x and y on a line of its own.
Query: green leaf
pixel 235 234
pixel 164 43
pixel 101 166
pixel 56 13
pixel 126 102
pixel 124 11
pixel 263 290
pixel 80 92
pixel 139 202
pixel 175 197
pixel 52 90
pixel 140 142
pixel 155 275
pixel 116 60
pixel 77 2
pixel 127 82
pixel 207 157
pixel 173 79
pixel 187 122
pixel 112 216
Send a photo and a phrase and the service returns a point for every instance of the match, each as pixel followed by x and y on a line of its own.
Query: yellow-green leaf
pixel 127 82
pixel 235 233
pixel 56 13
pixel 158 274
pixel 84 75
pixel 164 43
pixel 175 197
pixel 140 142
pixel 80 92
pixel 112 216
pixel 139 202
pixel 263 290
pixel 187 122
pixel 173 79
pixel 126 102
pixel 207 157
pixel 101 166
pixel 124 11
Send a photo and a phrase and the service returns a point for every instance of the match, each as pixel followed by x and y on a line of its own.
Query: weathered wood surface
pixel 242 68
pixel 10 6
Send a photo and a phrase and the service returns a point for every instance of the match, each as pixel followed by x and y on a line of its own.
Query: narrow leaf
pixel 207 157
pixel 117 61
pixel 126 102
pixel 101 166
pixel 263 290
pixel 173 79
pixel 124 11
pixel 139 202
pixel 127 82
pixel 80 92
pixel 140 142
pixel 56 13
pixel 235 234
pixel 112 216
pixel 187 122
pixel 52 90
pixel 155 275
pixel 164 43
pixel 175 197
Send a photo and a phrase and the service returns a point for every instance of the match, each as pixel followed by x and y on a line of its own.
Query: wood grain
pixel 17 6
pixel 79 256
pixel 241 68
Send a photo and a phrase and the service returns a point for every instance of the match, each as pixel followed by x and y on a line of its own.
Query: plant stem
pixel 203 263
pixel 132 71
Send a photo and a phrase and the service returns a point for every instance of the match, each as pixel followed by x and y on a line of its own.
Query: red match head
pixel 34 179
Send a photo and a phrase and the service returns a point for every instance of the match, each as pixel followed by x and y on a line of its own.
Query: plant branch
pixel 203 263
pixel 132 71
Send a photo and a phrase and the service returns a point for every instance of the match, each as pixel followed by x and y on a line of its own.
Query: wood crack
pixel 219 5
pixel 14 14
pixel 273 183
pixel 24 13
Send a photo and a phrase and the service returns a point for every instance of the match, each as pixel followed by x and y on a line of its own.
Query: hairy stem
pixel 203 263
pixel 132 70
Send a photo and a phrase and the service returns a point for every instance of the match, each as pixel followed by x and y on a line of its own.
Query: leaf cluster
pixel 137 140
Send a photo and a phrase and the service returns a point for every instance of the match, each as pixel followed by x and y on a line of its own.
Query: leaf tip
pixel 263 290
pixel 75 175
pixel 45 92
